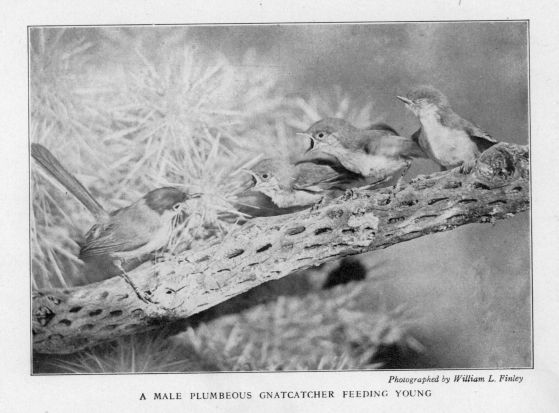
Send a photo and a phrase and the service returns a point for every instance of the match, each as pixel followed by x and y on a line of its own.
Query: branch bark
pixel 65 321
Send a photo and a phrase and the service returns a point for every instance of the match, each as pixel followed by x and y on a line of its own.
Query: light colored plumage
pixel 303 184
pixel 446 138
pixel 378 154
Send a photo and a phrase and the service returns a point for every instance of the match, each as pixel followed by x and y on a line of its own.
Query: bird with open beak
pixel 302 184
pixel 446 137
pixel 378 154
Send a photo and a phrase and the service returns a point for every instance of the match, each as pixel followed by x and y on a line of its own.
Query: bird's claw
pixel 146 297
pixel 467 167
pixel 398 184
pixel 142 295
pixel 401 178
pixel 164 257
pixel 318 205
pixel 349 194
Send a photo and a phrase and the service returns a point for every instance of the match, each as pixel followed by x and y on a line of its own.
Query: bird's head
pixel 169 201
pixel 328 134
pixel 424 98
pixel 270 175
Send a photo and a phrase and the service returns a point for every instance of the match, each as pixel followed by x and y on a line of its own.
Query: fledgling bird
pixel 446 137
pixel 378 154
pixel 382 126
pixel 302 184
pixel 126 233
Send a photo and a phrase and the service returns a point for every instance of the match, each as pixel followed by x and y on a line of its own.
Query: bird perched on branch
pixel 378 154
pixel 382 126
pixel 301 184
pixel 446 137
pixel 126 233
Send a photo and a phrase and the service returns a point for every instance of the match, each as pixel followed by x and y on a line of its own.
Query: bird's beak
pixel 405 100
pixel 182 208
pixel 255 179
pixel 313 142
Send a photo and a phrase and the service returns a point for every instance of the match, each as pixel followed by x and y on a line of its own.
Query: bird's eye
pixel 265 176
pixel 320 135
pixel 177 207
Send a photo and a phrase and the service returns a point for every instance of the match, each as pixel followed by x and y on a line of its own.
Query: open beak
pixel 308 135
pixel 255 179
pixel 405 100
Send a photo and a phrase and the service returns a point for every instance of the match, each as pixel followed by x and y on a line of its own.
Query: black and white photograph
pixel 280 197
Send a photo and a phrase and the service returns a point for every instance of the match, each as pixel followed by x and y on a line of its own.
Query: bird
pixel 446 137
pixel 378 153
pixel 126 233
pixel 382 126
pixel 301 184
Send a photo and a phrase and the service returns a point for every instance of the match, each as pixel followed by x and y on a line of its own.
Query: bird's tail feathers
pixel 48 161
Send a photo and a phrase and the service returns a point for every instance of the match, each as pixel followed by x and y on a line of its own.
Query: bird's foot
pixel 145 296
pixel 467 167
pixel 142 295
pixel 316 206
pixel 398 184
pixel 349 194
pixel 164 257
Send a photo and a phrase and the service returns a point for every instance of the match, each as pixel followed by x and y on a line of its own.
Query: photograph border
pixel 287 23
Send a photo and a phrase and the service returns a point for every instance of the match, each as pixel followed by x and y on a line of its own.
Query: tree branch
pixel 269 248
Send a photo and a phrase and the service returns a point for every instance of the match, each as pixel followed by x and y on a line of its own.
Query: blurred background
pixel 129 108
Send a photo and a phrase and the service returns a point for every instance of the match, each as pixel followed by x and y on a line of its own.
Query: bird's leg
pixel 375 184
pixel 316 206
pixel 401 178
pixel 467 166
pixel 350 193
pixel 124 275
pixel 164 256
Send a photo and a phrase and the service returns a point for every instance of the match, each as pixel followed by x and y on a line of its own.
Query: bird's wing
pixel 123 232
pixel 415 136
pixel 328 160
pixel 317 178
pixel 382 126
pixel 111 238
pixel 394 146
pixel 482 139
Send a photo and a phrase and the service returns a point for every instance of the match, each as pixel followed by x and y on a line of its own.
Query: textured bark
pixel 269 248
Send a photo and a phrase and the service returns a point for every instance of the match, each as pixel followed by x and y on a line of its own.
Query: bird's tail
pixel 48 161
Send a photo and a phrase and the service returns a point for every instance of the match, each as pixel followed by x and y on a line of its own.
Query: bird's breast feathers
pixel 293 198
pixel 449 147
pixel 370 165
